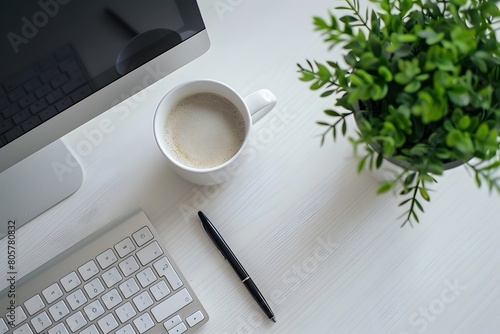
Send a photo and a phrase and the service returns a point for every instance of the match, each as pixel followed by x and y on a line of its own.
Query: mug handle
pixel 260 104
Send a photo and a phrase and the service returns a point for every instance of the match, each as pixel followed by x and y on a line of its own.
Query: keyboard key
pixel 146 277
pixel 124 247
pixel 88 270
pixel 14 133
pixel 90 330
pixel 6 126
pixel 58 310
pixel 3 326
pixel 21 116
pixel 129 287
pixel 111 277
pixel 149 253
pixel 94 310
pixel 31 123
pixel 38 106
pixel 195 318
pixel 10 111
pixel 180 328
pixel 160 290
pixel 143 301
pixel 26 100
pixel 143 323
pixel 33 305
pixel 70 281
pixel 52 293
pixel 171 305
pixel 20 316
pixel 142 236
pixel 16 94
pixel 24 329
pixel 32 84
pixel 43 90
pixel 125 312
pixel 164 268
pixel 111 299
pixel 48 113
pixel 107 323
pixel 94 288
pixel 64 103
pixel 41 322
pixel 172 322
pixel 59 80
pixel 20 78
pixel 106 258
pixel 54 96
pixel 129 266
pixel 126 330
pixel 76 299
pixel 59 329
pixel 76 321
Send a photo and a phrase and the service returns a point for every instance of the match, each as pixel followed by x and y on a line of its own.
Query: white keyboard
pixel 120 280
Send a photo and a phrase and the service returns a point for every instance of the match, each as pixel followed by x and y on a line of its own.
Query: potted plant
pixel 422 80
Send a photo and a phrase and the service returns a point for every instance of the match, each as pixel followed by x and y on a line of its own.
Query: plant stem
pixel 412 203
pixel 356 12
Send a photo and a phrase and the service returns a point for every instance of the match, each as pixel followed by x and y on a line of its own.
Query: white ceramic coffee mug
pixel 251 109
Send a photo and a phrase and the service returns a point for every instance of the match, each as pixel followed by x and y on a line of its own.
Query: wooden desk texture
pixel 326 251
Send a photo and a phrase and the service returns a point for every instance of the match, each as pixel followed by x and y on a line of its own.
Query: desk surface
pixel 326 251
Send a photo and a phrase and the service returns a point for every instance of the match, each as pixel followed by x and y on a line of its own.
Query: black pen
pixel 226 252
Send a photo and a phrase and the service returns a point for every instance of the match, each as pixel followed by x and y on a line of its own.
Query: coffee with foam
pixel 204 130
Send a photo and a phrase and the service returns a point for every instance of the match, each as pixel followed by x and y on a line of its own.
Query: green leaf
pixel 431 37
pixel 348 19
pixel 424 194
pixel 464 122
pixel 333 113
pixel 459 96
pixel 327 93
pixel 412 87
pixel 320 23
pixel 460 141
pixel 489 7
pixel 385 73
pixel 482 131
pixel 419 206
pixel 406 38
pixel 409 179
pixel 323 72
pixel 361 164
pixel 384 188
pixel 380 159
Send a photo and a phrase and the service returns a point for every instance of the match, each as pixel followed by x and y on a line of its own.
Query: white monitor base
pixel 37 183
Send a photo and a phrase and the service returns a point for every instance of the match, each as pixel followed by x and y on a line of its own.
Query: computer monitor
pixel 63 62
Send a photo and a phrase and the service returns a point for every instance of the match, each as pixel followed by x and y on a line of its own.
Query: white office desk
pixel 325 250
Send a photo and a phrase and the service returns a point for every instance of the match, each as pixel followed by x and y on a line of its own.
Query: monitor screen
pixel 62 63
pixel 65 61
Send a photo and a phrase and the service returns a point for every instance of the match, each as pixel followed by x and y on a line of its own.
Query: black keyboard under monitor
pixel 40 92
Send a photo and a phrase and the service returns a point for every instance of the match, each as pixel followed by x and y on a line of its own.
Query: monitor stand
pixel 37 183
